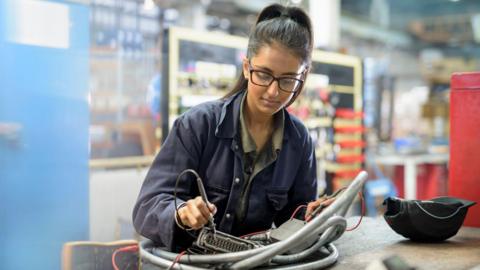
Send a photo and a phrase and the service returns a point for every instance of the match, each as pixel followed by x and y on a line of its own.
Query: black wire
pixel 175 195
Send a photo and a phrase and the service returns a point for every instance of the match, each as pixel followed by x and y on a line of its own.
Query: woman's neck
pixel 259 126
pixel 257 121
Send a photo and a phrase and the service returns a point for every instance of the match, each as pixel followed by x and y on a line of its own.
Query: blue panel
pixel 44 160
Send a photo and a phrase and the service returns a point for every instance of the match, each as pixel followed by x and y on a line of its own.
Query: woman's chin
pixel 268 106
pixel 269 110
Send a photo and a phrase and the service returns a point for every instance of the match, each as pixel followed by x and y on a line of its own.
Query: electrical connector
pixel 287 229
pixel 222 242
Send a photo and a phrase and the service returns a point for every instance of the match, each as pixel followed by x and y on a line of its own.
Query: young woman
pixel 257 161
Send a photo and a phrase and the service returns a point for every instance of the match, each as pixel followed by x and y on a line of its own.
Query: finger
pixel 195 221
pixel 213 208
pixel 328 202
pixel 311 206
pixel 196 216
pixel 183 214
pixel 191 216
pixel 314 204
pixel 309 211
pixel 202 207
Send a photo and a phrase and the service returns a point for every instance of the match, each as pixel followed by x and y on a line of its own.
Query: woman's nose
pixel 273 89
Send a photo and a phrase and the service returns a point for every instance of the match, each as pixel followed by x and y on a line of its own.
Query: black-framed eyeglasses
pixel 285 83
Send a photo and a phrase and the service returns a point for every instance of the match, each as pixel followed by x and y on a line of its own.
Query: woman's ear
pixel 246 69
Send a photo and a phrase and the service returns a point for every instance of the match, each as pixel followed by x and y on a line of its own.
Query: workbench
pixel 372 241
pixel 375 240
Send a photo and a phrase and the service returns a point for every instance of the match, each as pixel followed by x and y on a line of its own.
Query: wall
pixel 44 156
pixel 112 196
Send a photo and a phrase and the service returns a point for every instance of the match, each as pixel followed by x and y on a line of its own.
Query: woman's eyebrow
pixel 269 70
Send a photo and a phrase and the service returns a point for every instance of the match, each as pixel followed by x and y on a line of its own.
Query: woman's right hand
pixel 195 213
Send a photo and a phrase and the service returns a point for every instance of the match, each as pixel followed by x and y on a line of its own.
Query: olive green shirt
pixel 255 161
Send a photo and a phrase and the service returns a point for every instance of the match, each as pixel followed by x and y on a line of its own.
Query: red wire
pixel 177 259
pixel 250 234
pixel 122 249
pixel 296 210
pixel 361 217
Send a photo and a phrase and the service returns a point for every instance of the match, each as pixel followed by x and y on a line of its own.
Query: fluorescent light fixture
pixel 148 5
pixel 39 23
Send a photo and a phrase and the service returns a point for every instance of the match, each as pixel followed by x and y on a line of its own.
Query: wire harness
pixel 326 227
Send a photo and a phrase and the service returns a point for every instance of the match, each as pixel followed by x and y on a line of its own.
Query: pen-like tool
pixel 211 222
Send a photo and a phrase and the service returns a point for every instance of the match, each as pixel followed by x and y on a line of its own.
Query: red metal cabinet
pixel 464 179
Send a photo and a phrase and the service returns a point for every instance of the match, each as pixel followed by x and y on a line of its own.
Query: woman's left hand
pixel 320 202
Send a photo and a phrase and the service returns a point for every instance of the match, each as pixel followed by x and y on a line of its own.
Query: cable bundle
pixel 328 226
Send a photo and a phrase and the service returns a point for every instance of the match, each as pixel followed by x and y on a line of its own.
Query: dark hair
pixel 288 26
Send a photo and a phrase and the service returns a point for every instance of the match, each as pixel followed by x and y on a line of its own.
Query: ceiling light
pixel 148 5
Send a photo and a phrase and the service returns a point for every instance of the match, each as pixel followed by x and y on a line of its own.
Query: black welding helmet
pixel 426 220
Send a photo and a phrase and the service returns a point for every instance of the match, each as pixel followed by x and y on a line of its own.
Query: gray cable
pixel 161 261
pixel 324 239
pixel 291 242
pixel 318 264
pixel 258 237
pixel 214 258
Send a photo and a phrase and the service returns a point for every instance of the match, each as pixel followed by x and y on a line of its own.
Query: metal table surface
pixel 375 240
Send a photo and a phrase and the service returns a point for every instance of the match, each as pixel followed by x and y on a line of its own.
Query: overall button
pixel 237 180
pixel 236 147
pixel 228 215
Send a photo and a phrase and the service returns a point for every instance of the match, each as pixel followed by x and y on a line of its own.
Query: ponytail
pixel 293 13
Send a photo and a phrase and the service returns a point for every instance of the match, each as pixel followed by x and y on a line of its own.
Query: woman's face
pixel 277 61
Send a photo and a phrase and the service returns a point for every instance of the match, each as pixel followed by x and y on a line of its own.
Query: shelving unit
pixel 123 58
pixel 200 67
pixel 118 111
pixel 334 85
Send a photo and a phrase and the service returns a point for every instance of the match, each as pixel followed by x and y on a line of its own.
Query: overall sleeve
pixel 153 214
pixel 304 189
